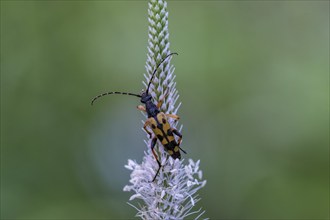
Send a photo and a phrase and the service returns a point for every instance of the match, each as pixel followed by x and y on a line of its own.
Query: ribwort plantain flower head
pixel 173 194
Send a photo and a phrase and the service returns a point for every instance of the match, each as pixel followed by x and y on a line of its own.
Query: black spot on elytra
pixel 173 143
pixel 160 137
pixel 170 146
pixel 153 126
pixel 164 121
pixel 169 132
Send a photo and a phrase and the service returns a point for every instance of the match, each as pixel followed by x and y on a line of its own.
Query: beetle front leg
pixel 160 102
pixel 141 108
pixel 153 143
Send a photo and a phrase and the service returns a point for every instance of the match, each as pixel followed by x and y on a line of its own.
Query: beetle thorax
pixel 152 109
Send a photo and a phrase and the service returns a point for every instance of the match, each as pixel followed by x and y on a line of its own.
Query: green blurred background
pixel 253 80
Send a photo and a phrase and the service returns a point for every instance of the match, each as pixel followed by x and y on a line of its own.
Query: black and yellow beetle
pixel 157 121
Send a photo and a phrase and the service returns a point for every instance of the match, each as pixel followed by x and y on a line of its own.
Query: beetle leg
pixel 147 123
pixel 175 117
pixel 177 133
pixel 153 143
pixel 141 108
pixel 160 102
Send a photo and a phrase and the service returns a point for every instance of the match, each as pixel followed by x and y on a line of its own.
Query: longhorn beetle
pixel 157 120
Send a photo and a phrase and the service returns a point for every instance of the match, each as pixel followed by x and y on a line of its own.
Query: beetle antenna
pixel 109 93
pixel 153 74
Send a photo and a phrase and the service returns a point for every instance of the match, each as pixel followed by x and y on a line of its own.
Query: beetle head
pixel 145 97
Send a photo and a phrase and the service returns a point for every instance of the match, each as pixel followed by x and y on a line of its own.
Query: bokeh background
pixel 253 78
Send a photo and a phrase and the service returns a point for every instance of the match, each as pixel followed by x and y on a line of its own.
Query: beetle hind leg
pixel 177 133
pixel 153 143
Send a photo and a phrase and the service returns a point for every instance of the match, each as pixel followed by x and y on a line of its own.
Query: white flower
pixel 173 194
